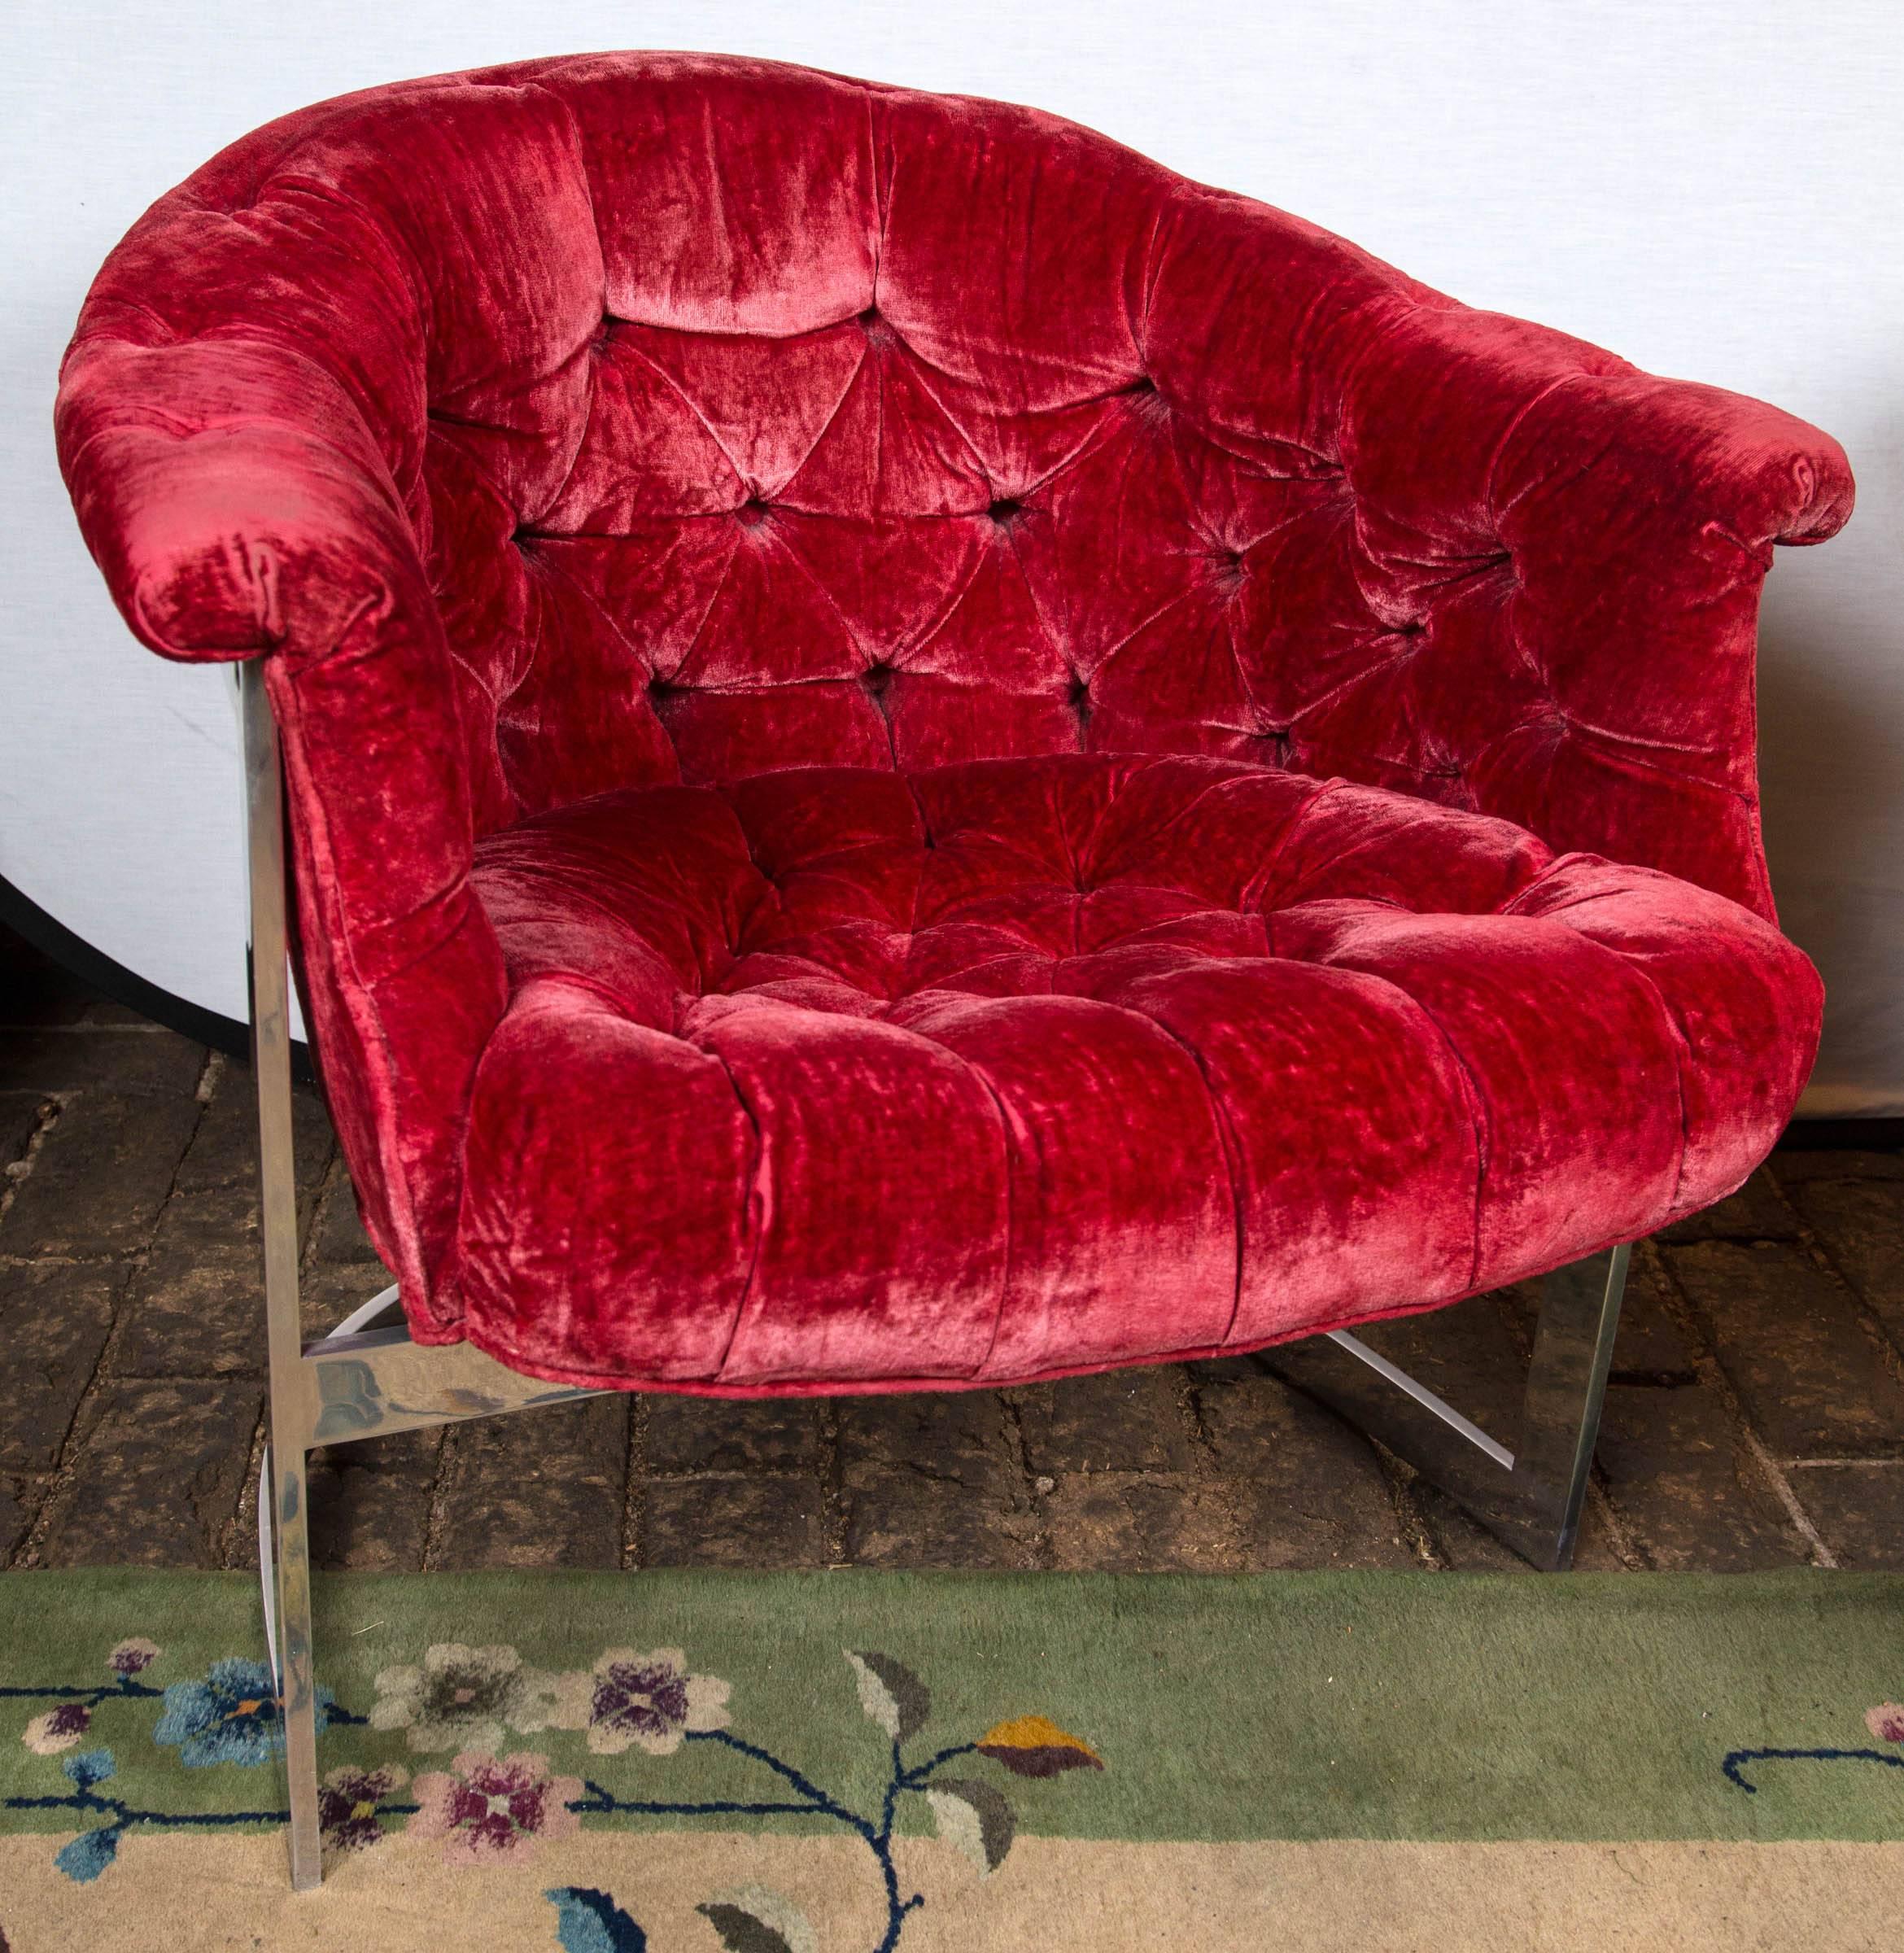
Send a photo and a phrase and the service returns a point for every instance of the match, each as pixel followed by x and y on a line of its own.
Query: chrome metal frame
pixel 364 1382
pixel 1530 1498
pixel 358 1382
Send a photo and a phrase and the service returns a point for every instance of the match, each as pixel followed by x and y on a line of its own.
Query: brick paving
pixel 1755 1417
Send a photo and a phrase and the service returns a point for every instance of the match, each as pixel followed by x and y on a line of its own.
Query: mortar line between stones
pixel 442 1489
pixel 635 1484
pixel 832 1479
pixel 1411 1515
pixel 1206 1468
pixel 36 1487
pixel 1027 1477
pixel 242 1526
pixel 1821 1554
pixel 104 1373
pixel 1888 1353
pixel 47 1115
pixel 1701 1344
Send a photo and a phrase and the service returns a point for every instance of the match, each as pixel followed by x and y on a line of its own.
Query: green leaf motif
pixel 974 1818
pixel 754 1919
pixel 890 1694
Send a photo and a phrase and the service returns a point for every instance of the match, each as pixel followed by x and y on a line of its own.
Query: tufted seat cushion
pixel 1004 1069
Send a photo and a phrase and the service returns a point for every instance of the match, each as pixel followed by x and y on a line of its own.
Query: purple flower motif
pixel 1886 1722
pixel 346 1805
pixel 652 1700
pixel 60 1728
pixel 134 1656
pixel 484 1808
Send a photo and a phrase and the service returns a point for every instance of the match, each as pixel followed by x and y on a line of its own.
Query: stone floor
pixel 1756 1415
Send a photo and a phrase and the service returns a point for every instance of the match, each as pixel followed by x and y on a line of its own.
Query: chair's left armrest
pixel 1590 542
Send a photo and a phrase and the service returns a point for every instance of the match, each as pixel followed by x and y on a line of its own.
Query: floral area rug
pixel 855 1762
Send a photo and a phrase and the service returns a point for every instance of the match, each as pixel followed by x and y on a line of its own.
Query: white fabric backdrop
pixel 1714 188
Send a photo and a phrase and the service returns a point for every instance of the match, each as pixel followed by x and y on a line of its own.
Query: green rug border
pixel 1301 1705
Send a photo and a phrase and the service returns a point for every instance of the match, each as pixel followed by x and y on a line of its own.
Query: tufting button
pixel 1003 509
pixel 1230 569
pixel 877 679
pixel 1146 402
pixel 752 512
pixel 877 331
pixel 1077 695
pixel 1277 744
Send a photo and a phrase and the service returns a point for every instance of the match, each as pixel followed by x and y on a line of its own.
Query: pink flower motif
pixel 485 1807
pixel 1886 1722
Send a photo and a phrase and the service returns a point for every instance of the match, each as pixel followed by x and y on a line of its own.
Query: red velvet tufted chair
pixel 919 754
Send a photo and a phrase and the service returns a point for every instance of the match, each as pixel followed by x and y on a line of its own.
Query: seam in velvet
pixel 1479 1120
pixel 1226 1144
pixel 756 1211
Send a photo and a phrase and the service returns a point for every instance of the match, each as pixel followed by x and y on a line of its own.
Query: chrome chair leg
pixel 1567 1390
pixel 278 1206
pixel 295 1665
pixel 1530 1498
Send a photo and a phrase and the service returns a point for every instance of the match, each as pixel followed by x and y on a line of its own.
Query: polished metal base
pixel 1530 1498
pixel 365 1381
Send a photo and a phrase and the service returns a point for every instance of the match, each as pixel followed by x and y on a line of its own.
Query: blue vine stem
pixel 812 1801
pixel 807 1799
pixel 92 1697
pixel 1733 1763
pixel 124 1815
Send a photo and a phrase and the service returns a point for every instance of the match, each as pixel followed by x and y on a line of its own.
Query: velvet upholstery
pixel 920 752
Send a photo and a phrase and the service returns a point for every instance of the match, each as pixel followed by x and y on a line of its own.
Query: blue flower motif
pixel 89 1766
pixel 231 1717
pixel 89 1855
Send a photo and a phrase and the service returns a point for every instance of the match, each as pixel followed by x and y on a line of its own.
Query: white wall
pixel 1715 189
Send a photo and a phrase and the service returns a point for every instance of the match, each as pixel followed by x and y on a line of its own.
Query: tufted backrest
pixel 641 418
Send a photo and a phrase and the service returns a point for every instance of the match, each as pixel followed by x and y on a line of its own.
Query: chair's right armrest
pixel 232 495
pixel 238 505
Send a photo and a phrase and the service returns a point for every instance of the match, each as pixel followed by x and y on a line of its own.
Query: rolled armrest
pixel 1587 543
pixel 238 505
pixel 231 496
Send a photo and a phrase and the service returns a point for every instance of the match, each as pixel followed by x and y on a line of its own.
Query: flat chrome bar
pixel 374 1382
pixel 267 1569
pixel 1423 1396
pixel 1566 1386
pixel 290 1387
pixel 380 1305
pixel 1530 1498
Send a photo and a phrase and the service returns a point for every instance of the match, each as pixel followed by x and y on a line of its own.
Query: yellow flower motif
pixel 1034 1746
